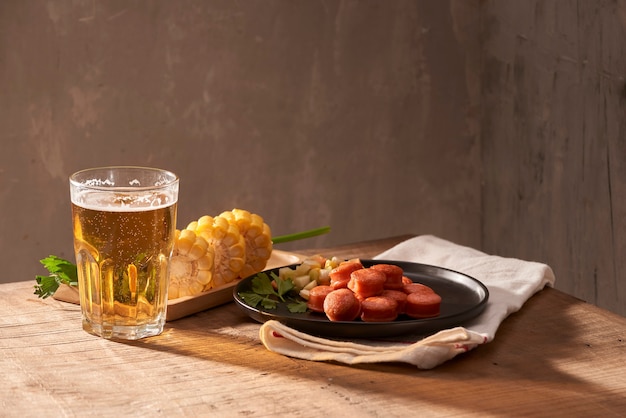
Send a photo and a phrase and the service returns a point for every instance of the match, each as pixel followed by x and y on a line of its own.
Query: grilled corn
pixel 257 238
pixel 191 268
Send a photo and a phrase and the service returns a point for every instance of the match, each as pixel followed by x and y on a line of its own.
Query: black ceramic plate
pixel 462 298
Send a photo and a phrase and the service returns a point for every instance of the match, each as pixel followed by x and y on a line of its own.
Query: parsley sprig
pixel 61 271
pixel 263 293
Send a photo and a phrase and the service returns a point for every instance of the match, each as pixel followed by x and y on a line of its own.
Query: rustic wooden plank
pixel 553 142
pixel 613 87
pixel 558 356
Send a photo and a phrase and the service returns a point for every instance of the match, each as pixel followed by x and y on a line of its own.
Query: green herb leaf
pixel 297 306
pixel 61 271
pixel 251 299
pixel 262 285
pixel 268 290
pixel 284 286
pixel 269 303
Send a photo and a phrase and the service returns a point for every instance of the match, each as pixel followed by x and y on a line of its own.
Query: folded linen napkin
pixel 511 282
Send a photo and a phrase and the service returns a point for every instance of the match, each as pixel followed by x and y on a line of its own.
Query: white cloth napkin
pixel 511 282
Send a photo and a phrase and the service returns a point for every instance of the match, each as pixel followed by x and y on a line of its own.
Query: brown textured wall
pixel 360 115
pixel 496 124
pixel 554 143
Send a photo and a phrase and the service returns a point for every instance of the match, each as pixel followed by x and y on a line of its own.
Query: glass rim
pixel 171 178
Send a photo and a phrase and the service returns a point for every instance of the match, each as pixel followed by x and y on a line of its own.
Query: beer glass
pixel 124 221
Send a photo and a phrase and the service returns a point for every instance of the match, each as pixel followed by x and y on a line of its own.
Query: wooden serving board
pixel 188 305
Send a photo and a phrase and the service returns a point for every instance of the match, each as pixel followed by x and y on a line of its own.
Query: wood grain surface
pixel 558 356
pixel 554 141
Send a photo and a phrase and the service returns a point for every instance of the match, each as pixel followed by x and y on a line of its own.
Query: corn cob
pixel 213 251
pixel 191 268
pixel 229 250
pixel 257 237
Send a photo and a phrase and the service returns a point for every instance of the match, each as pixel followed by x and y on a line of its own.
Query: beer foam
pixel 108 182
pixel 99 182
pixel 123 201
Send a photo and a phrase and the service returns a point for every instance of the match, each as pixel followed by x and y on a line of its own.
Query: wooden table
pixel 558 356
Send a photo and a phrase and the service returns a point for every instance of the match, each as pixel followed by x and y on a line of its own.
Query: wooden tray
pixel 189 305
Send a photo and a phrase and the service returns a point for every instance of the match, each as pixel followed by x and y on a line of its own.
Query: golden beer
pixel 123 240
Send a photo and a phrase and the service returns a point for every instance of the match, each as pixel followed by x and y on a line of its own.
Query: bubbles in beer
pixel 123 241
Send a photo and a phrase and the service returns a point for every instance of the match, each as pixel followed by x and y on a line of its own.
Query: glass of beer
pixel 124 221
